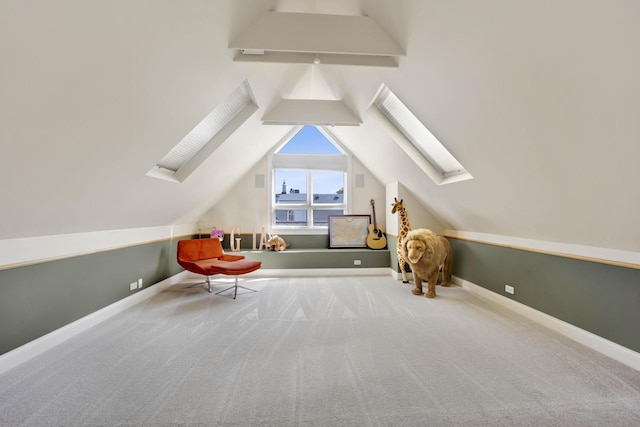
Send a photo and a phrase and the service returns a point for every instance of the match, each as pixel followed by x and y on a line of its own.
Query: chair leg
pixel 235 288
pixel 208 282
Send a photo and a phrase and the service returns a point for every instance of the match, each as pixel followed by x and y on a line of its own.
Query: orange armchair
pixel 206 257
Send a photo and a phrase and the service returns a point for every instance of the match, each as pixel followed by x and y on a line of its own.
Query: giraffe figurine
pixel 398 206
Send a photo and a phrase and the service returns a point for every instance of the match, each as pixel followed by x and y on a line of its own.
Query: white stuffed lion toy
pixel 277 243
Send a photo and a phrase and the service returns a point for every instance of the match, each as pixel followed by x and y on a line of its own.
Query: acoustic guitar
pixel 375 238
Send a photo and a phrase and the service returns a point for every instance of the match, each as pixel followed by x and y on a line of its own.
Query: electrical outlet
pixel 133 286
pixel 509 289
pixel 139 283
pixel 357 262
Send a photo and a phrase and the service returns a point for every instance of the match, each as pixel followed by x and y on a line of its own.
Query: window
pixel 207 136
pixel 309 181
pixel 416 140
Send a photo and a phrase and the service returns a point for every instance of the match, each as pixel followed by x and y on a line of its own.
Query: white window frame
pixel 413 137
pixel 308 163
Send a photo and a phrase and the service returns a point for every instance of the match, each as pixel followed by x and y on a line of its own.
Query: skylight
pixel 207 136
pixel 416 140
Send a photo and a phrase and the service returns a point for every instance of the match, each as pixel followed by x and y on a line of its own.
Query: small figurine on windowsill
pixel 215 233
pixel 277 243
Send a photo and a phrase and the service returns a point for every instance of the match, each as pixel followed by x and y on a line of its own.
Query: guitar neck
pixel 373 208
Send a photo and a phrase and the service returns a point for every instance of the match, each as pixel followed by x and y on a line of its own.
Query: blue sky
pixel 309 141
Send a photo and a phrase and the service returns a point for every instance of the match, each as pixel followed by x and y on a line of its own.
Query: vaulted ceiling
pixel 538 100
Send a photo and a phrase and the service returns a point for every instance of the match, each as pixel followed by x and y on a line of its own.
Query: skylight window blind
pixel 200 135
pixel 416 140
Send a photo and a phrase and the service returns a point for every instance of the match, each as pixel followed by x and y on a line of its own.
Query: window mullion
pixel 309 198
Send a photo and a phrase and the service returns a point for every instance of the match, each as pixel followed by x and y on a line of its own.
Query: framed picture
pixel 348 231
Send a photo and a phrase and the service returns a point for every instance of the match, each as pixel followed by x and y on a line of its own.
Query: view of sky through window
pixel 309 140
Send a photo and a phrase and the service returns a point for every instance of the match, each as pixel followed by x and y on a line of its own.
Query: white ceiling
pixel 538 100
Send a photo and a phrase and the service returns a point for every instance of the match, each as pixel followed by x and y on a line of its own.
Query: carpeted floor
pixel 334 351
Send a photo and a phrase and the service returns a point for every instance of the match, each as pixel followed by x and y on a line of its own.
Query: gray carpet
pixel 334 351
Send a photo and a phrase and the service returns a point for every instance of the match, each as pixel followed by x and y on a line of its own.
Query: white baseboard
pixel 304 272
pixel 595 342
pixel 38 346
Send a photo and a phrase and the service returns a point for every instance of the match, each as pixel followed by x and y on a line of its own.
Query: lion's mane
pixel 427 253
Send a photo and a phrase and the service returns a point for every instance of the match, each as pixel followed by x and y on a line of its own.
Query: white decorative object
pixel 234 242
pixel 263 240
pixel 254 239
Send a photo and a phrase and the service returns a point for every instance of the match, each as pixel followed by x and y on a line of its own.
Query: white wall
pixel 419 216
